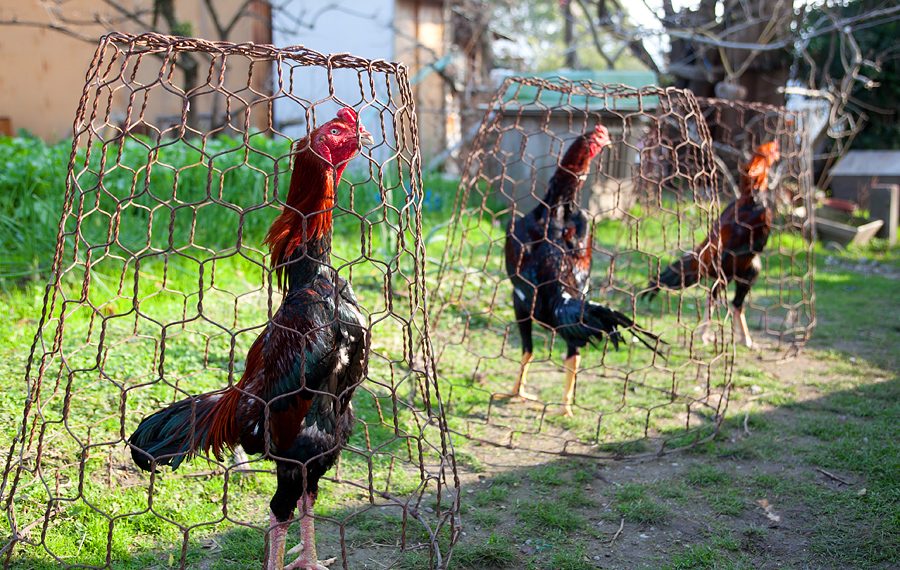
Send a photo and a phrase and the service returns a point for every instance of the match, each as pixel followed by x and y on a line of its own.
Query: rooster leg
pixel 742 286
pixel 524 320
pixel 307 547
pixel 277 537
pixel 741 320
pixel 518 390
pixel 572 363
pixel 705 334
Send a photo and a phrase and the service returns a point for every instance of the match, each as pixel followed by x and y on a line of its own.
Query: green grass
pixel 547 519
pixel 201 290
pixel 148 199
pixel 848 427
pixel 633 503
pixel 576 498
pixel 571 560
pixel 706 475
pixel 496 493
pixel 495 552
pixel 483 518
pixel 547 474
pixel 727 501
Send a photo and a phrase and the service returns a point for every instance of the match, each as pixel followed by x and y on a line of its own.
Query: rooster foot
pixel 521 395
pixel 562 411
pixel 304 563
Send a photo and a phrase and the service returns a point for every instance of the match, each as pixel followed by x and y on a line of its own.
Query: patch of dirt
pixel 862 266
pixel 772 530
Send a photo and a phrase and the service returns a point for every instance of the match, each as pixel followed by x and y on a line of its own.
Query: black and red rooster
pixel 293 401
pixel 548 260
pixel 731 250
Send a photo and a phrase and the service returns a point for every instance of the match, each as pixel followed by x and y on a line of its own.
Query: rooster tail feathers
pixel 621 321
pixel 583 321
pixel 175 433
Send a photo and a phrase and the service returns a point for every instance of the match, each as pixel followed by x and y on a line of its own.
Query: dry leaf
pixel 770 512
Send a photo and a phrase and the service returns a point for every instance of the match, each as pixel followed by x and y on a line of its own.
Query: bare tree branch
pixel 630 38
pixel 56 27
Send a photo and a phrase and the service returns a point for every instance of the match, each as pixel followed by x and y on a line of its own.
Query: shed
pixel 538 126
pixel 854 174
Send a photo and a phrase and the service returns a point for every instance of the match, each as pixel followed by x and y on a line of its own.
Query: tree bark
pixel 569 35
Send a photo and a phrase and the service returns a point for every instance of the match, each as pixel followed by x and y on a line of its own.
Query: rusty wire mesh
pixel 654 198
pixel 161 283
pixel 782 302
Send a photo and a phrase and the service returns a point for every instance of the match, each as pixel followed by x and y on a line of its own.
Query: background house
pixel 408 31
pixel 44 70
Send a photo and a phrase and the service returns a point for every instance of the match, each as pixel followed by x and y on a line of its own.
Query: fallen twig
pixel 21 533
pixel 832 475
pixel 598 475
pixel 746 419
pixel 618 532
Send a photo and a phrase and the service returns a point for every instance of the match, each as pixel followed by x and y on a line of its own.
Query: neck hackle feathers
pixel 319 162
pixel 755 174
pixel 575 164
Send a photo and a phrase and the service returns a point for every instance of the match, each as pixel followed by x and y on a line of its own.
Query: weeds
pixel 547 518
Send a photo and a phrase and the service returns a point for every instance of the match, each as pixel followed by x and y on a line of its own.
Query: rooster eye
pixel 335 131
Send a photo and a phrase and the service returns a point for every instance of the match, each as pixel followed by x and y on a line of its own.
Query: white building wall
pixel 362 28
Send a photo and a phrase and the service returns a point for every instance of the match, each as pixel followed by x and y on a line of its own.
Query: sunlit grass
pixel 161 290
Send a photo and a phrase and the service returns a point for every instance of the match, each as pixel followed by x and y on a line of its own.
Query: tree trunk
pixel 569 35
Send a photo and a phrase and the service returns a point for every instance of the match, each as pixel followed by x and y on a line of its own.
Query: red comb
pixel 348 115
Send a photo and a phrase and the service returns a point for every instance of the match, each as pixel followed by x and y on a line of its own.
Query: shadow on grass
pixel 812 482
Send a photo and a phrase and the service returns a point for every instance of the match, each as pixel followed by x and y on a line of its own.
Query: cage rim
pixel 152 42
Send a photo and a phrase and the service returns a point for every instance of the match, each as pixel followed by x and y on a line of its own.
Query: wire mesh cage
pixel 162 285
pixel 650 197
pixel 782 304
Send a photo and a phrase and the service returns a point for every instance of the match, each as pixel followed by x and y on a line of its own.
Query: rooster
pixel 548 260
pixel 292 403
pixel 731 250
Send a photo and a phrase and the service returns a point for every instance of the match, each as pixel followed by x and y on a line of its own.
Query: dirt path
pixel 746 495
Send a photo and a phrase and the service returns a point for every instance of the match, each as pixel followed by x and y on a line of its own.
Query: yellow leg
pixel 705 335
pixel 740 319
pixel 519 389
pixel 572 364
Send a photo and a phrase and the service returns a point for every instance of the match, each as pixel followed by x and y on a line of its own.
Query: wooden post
pixel 884 204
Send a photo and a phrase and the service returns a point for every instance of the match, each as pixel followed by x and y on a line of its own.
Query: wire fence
pixel 161 283
pixel 782 304
pixel 650 197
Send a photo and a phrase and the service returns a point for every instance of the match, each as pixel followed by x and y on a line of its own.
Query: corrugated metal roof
pixel 869 163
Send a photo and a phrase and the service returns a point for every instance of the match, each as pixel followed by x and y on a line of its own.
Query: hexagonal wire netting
pixel 782 302
pixel 650 197
pixel 161 283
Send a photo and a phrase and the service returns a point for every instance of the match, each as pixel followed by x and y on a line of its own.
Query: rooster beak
pixel 365 137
